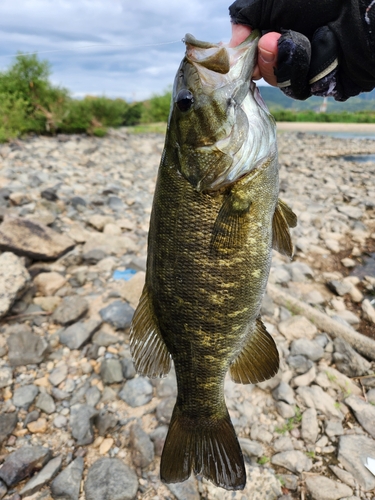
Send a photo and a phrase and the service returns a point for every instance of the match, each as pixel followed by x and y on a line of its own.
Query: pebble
pixel 348 361
pixel 143 448
pixel 8 422
pixel 45 403
pixel 308 348
pixel 110 478
pixel 293 460
pixel 24 347
pixel 79 333
pixel 105 421
pixel 70 310
pixel 297 327
pixel 323 488
pixel 364 412
pixel 118 314
pixel 111 371
pixel 38 426
pixel 43 477
pixel 6 376
pixel 284 392
pixel 58 374
pixel 25 395
pixel 48 283
pixel 137 392
pixel 309 426
pixel 81 422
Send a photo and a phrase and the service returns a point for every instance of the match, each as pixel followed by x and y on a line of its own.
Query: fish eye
pixel 184 100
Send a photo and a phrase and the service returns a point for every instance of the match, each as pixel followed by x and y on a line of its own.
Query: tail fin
pixel 208 447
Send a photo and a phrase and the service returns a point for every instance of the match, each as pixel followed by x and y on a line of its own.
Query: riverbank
pixel 74 214
pixel 316 127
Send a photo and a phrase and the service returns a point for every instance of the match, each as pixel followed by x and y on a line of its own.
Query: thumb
pixel 267 57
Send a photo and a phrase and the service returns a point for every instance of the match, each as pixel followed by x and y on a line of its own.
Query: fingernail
pixel 268 57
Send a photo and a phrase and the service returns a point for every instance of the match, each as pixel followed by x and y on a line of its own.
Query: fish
pixel 215 218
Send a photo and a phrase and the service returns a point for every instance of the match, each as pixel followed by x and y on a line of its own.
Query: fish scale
pixel 209 255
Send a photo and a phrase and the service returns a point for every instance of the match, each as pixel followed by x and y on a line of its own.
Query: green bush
pixel 13 116
pixel 157 108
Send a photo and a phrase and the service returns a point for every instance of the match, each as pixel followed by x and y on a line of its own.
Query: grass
pixel 263 460
pixel 148 128
pixel 291 423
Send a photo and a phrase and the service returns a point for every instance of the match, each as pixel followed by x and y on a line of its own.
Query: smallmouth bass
pixel 215 219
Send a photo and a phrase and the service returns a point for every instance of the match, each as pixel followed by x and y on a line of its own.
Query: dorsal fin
pixel 259 358
pixel 283 219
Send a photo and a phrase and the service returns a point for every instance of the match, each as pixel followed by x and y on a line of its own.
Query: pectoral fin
pixel 259 358
pixel 150 354
pixel 228 232
pixel 283 219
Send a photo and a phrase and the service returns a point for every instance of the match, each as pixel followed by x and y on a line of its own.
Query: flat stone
pixel 137 392
pixel 45 403
pixel 8 422
pixel 353 451
pixel 308 348
pixel 284 392
pixel 188 490
pixel 32 239
pixel 110 244
pixel 348 361
pixel 310 426
pixel 6 376
pixel 119 314
pixel 22 462
pixel 23 396
pixel 323 488
pixel 315 397
pixel 364 413
pixel 43 477
pixel 111 371
pixel 70 310
pixel 297 327
pixel 67 485
pixel 110 478
pixel 14 278
pixel 48 283
pixel 58 374
pixel 79 333
pixel 344 476
pixel 81 422
pixel 24 347
pixel 293 460
pixel 143 448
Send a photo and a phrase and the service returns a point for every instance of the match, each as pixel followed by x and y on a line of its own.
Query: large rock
pixel 364 413
pixel 22 462
pixel 32 239
pixel 348 361
pixel 14 278
pixel 110 478
pixel 323 488
pixel 315 397
pixel 8 422
pixel 67 485
pixel 70 310
pixel 353 452
pixel 44 476
pixel 297 327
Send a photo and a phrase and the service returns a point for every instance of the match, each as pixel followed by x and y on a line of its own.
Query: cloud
pixel 130 62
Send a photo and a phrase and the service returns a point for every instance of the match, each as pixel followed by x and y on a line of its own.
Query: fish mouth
pixel 222 59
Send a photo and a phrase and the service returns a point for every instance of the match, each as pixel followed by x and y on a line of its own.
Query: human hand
pixel 325 47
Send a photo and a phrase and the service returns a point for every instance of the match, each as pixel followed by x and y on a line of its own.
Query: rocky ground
pixel 76 422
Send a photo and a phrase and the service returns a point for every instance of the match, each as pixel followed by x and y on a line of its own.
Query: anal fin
pixel 283 219
pixel 259 358
pixel 150 354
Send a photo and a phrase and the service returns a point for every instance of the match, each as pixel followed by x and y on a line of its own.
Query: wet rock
pixel 310 426
pixel 143 449
pixel 25 395
pixel 14 278
pixel 348 361
pixel 76 335
pixel 67 485
pixel 308 348
pixel 118 314
pixel 364 413
pixel 24 347
pixel 22 462
pixel 352 453
pixel 43 477
pixel 111 371
pixel 8 422
pixel 31 239
pixel 293 460
pixel 323 488
pixel 110 478
pixel 297 327
pixel 136 392
pixel 45 403
pixel 70 310
pixel 81 422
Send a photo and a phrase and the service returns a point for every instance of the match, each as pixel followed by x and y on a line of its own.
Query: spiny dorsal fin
pixel 259 358
pixel 150 354
pixel 283 219
pixel 228 232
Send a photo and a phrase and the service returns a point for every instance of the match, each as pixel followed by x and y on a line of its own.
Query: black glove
pixel 327 47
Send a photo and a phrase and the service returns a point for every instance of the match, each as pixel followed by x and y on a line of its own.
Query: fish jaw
pixel 226 130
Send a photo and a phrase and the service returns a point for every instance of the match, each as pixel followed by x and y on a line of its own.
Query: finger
pixel 267 57
pixel 239 34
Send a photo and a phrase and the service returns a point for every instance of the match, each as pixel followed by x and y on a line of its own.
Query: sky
pixel 117 48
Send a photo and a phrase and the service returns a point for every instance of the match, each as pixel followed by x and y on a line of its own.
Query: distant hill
pixel 276 99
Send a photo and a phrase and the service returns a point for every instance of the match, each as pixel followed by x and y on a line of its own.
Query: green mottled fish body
pixel 215 218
